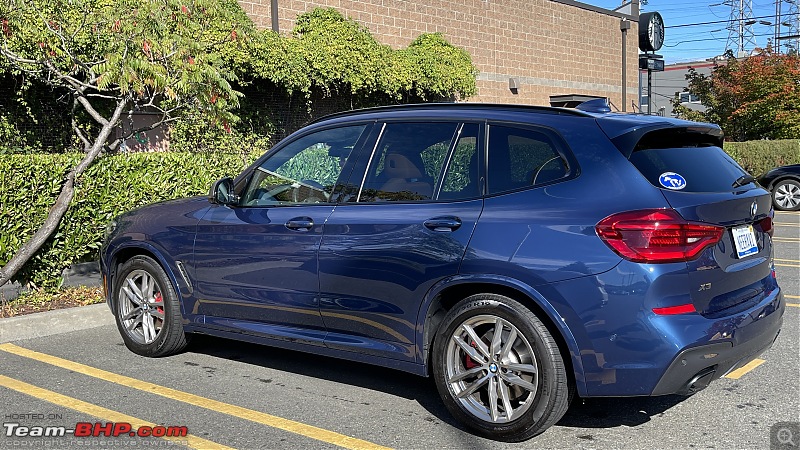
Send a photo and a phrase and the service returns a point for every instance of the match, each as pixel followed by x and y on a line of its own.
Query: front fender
pixel 110 262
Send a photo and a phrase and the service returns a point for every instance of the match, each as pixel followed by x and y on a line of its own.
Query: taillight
pixel 766 225
pixel 656 236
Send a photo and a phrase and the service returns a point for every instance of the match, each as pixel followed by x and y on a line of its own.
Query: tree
pixel 114 57
pixel 752 98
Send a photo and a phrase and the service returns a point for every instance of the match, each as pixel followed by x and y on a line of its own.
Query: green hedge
pixel 114 184
pixel 757 157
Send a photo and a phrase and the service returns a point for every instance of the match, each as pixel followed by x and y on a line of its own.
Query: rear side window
pixel 407 162
pixel 520 158
pixel 696 169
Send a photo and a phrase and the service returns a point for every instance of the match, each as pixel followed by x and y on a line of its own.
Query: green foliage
pixel 757 157
pixel 332 54
pixel 129 49
pixel 113 185
pixel 199 54
pixel 752 98
pixel 33 116
pixel 440 69
pixel 195 133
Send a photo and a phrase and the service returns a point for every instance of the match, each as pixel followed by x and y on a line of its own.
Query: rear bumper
pixel 628 350
pixel 694 368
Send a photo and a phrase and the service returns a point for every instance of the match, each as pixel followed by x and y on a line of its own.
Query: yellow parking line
pixel 739 373
pixel 291 426
pixel 99 412
pixel 796 305
pixel 787 265
pixel 791 296
pixel 787 260
pixel 783 239
pixel 786 224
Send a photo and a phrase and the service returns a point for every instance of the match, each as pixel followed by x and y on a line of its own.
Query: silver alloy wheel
pixel 491 369
pixel 141 306
pixel 787 195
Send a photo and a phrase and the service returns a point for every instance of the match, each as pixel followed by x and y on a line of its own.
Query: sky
pixel 700 42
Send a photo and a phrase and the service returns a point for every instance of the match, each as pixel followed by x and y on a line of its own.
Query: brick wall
pixel 552 48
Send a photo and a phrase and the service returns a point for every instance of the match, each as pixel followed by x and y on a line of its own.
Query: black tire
pixel 162 309
pixel 786 195
pixel 533 408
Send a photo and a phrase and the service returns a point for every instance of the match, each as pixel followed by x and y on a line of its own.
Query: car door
pixel 256 262
pixel 414 201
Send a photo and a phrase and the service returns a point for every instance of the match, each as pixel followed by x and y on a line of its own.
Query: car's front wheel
pixel 498 369
pixel 147 309
pixel 786 195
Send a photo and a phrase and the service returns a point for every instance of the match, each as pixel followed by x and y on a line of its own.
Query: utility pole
pixel 777 33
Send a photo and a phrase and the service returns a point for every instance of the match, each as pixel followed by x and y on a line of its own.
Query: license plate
pixel 745 240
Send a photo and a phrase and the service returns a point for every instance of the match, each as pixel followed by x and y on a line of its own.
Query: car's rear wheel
pixel 147 309
pixel 786 195
pixel 498 369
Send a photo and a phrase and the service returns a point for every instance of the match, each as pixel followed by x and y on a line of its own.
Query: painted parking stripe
pixel 787 265
pixel 739 373
pixel 101 413
pixel 795 297
pixel 291 426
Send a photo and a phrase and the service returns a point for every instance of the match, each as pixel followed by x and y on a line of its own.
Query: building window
pixel 687 97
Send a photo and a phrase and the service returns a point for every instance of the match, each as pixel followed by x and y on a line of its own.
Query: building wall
pixel 553 47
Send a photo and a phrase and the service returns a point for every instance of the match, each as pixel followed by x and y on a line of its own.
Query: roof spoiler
pixel 598 105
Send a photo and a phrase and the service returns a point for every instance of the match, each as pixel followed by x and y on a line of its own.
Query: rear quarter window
pixel 705 169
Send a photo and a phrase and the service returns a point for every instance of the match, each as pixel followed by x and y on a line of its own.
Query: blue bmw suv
pixel 518 255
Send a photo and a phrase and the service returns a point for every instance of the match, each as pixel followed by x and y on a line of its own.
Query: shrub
pixel 757 157
pixel 113 185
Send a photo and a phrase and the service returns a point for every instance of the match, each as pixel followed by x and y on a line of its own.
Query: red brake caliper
pixel 468 362
pixel 159 299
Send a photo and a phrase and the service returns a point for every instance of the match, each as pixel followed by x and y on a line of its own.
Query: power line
pixel 714 22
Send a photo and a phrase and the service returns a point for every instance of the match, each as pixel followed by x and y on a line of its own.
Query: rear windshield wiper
pixel 743 180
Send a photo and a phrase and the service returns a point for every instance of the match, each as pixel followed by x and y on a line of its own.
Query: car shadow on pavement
pixel 615 412
pixel 394 382
pixel 588 413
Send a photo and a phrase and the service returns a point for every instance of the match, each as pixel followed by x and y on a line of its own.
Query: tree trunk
pixel 62 202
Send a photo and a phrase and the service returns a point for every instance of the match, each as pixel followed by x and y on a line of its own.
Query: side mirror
pixel 222 192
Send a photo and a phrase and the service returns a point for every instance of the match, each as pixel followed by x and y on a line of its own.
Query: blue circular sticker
pixel 672 180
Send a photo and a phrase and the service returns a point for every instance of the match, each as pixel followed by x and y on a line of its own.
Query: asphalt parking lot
pixel 226 394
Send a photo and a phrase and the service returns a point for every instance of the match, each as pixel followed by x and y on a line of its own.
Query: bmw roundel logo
pixel 753 209
pixel 672 180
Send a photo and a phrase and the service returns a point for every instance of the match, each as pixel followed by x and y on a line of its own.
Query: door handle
pixel 443 224
pixel 300 223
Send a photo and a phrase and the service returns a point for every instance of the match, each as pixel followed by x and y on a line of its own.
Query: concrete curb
pixel 58 321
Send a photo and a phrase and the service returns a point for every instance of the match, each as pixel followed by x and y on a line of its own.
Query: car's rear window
pixel 688 169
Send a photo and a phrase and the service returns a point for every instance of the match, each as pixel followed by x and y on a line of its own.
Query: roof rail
pixel 462 106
